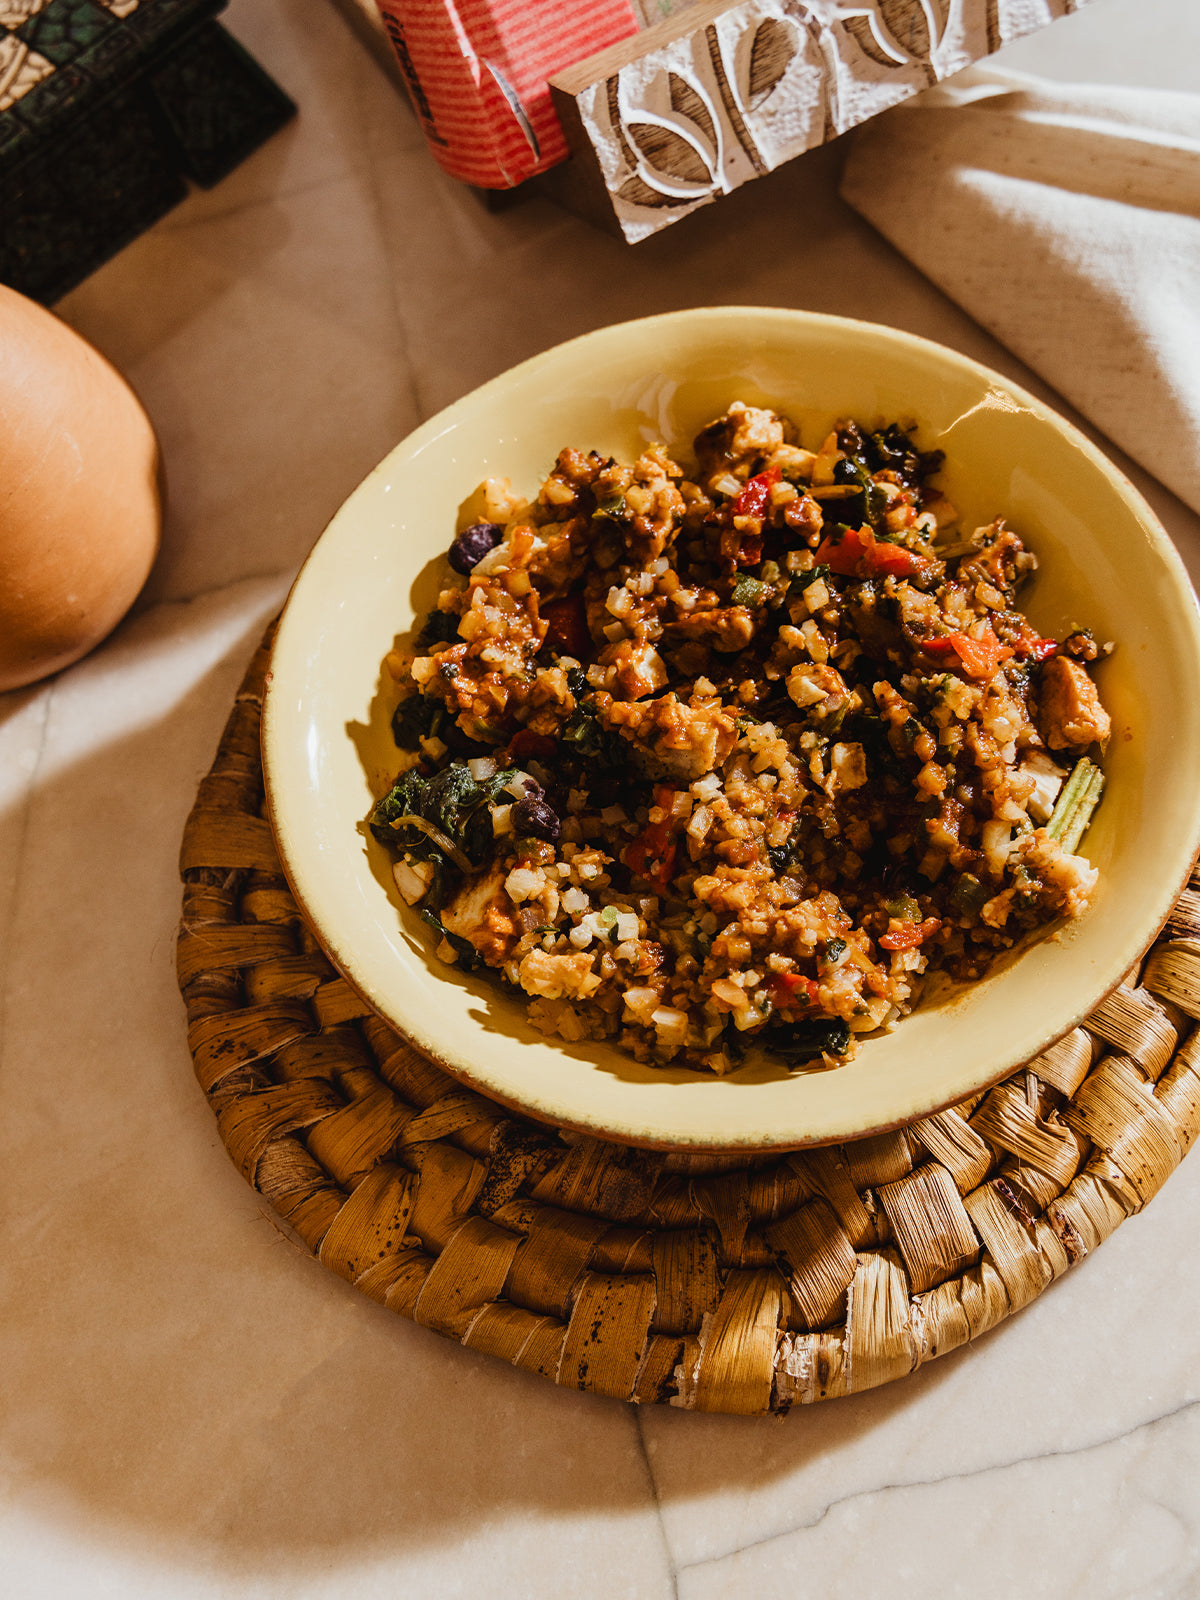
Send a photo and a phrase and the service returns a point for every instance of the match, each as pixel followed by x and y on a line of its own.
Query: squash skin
pixel 80 508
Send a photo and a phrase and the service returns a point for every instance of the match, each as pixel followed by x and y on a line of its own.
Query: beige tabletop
pixel 191 1406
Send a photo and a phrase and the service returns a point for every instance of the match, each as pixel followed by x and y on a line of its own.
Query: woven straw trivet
pixel 725 1283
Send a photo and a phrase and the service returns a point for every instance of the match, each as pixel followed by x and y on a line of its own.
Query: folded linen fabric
pixel 1065 219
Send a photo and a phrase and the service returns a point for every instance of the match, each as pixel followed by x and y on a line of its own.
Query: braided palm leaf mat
pixel 724 1283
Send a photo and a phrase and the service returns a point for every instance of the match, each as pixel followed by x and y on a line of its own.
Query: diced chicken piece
pixel 640 669
pixel 466 911
pixel 1002 560
pixel 793 461
pixel 726 628
pixel 754 429
pixel 558 977
pixel 1065 882
pixel 671 740
pixel 960 697
pixel 918 611
pixel 1047 781
pixel 810 684
pixel 1071 716
pixel 847 767
pixel 743 430
pixel 493 501
pixel 482 913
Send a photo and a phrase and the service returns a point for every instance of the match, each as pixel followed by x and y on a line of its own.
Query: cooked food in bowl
pixel 377 571
pixel 739 756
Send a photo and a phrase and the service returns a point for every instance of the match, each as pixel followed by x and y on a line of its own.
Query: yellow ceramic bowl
pixel 1105 562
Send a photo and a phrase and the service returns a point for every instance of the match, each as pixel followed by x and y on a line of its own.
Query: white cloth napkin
pixel 1066 220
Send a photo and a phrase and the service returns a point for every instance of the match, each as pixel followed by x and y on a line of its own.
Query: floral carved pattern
pixel 688 103
pixel 709 108
pixel 675 157
pixel 673 160
pixel 897 33
pixel 771 52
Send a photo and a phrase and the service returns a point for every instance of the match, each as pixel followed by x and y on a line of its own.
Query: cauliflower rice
pixel 738 756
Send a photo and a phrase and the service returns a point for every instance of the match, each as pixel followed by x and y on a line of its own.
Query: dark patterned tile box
pixel 108 109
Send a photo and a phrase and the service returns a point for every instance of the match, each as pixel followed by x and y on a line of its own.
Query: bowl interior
pixel 1104 562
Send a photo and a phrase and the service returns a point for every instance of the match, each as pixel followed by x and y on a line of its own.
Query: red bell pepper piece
pixel 1041 649
pixel 793 988
pixel 841 552
pixel 752 502
pixel 655 844
pixel 855 549
pixel 566 627
pixel 892 560
pixel 979 657
pixel 661 876
pixel 910 934
pixel 1029 647
pixel 527 743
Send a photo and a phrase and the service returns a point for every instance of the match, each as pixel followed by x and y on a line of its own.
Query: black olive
pixel 473 544
pixel 531 816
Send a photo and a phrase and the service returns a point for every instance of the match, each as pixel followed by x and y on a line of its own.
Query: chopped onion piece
pixel 501 820
pixel 523 883
pixel 669 1024
pixel 1047 783
pixel 996 838
pixel 641 1003
pixel 412 879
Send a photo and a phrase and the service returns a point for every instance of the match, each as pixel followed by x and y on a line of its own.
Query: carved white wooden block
pixel 719 94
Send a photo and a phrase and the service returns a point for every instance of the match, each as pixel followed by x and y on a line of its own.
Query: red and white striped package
pixel 477 71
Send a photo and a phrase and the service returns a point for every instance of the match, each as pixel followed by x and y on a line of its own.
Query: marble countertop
pixel 191 1406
